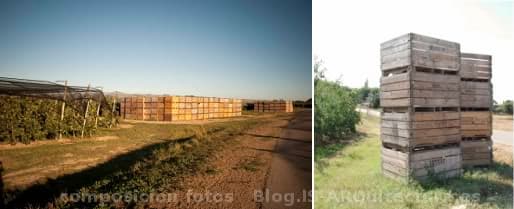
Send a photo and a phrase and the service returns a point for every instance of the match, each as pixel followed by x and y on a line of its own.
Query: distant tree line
pixel 503 108
pixel 370 96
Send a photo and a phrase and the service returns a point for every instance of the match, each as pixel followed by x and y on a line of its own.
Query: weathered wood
pixel 395 78
pixel 475 101
pixel 435 78
pixel 475 66
pixel 473 91
pixel 395 102
pixel 395 86
pixel 475 56
pixel 419 133
pixel 413 142
pixel 445 162
pixel 435 102
pixel 423 85
pixel 395 116
pixel 475 85
pixel 435 60
pixel 477 152
pixel 397 94
pixel 434 41
pixel 396 41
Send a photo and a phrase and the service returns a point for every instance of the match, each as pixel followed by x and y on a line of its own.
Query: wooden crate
pixel 408 129
pixel 475 66
pixel 477 94
pixel 477 152
pixel 409 86
pixel 422 51
pixel 476 123
pixel 443 163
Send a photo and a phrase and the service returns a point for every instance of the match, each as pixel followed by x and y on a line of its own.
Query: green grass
pixel 349 176
pixel 159 156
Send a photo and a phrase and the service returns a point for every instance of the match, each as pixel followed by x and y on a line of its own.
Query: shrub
pixel 29 119
pixel 334 114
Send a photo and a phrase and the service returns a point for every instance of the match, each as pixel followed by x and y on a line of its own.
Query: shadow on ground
pixel 39 195
pixel 476 185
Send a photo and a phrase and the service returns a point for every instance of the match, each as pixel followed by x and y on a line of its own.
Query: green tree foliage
pixel 335 115
pixel 507 107
pixel 27 119
pixel 374 98
pixel 334 106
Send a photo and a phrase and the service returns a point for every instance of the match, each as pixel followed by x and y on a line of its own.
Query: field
pixel 146 157
pixel 348 176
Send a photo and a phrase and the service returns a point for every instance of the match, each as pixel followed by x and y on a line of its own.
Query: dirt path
pixel 236 173
pixel 274 157
pixel 289 183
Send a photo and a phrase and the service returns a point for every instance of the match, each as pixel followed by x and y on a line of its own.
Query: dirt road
pixel 502 137
pixel 289 183
pixel 274 158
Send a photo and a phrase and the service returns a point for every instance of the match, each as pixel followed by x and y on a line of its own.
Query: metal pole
pixel 85 114
pixel 62 108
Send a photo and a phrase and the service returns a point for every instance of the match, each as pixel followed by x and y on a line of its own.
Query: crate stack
pixel 179 108
pixel 420 97
pixel 476 109
pixel 273 106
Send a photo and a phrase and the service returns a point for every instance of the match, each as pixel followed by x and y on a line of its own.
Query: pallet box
pixel 476 151
pixel 444 162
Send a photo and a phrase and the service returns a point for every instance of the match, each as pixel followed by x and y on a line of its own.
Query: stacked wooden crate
pixel 273 106
pixel 476 106
pixel 420 127
pixel 178 108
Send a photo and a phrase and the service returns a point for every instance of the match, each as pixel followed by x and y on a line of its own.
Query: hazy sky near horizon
pixel 347 34
pixel 244 49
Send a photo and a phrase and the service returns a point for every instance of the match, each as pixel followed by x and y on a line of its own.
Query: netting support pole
pixel 62 108
pixel 112 112
pixel 97 114
pixel 85 114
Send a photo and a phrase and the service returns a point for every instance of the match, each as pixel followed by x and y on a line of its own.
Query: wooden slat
pixel 430 154
pixel 395 49
pixel 436 41
pixel 475 85
pixel 424 116
pixel 395 78
pixel 435 102
pixel 475 56
pixel 395 102
pixel 393 57
pixel 434 48
pixel 395 86
pixel 436 78
pixel 396 41
pixel 394 94
pixel 435 60
pixel 423 85
pixel 395 116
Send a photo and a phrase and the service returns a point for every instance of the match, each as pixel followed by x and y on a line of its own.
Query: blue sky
pixel 245 49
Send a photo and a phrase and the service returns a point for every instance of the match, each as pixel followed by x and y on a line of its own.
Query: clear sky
pixel 347 34
pixel 254 49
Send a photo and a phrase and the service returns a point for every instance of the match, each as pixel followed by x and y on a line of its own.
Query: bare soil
pixel 235 173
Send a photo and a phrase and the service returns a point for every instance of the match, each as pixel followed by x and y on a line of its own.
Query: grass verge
pixel 350 177
pixel 164 155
